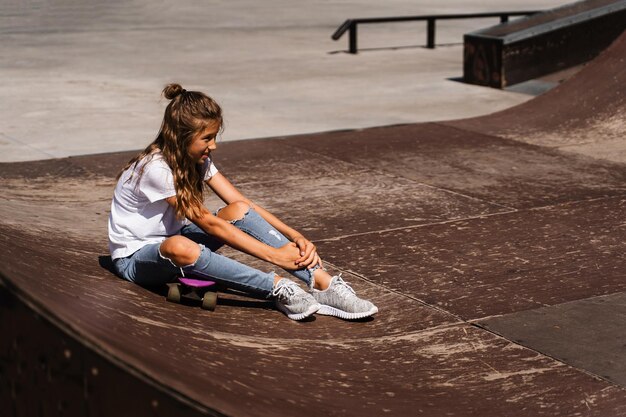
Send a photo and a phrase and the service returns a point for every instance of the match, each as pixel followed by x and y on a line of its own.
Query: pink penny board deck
pixel 196 283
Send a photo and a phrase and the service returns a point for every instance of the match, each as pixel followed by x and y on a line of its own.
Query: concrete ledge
pixel 546 42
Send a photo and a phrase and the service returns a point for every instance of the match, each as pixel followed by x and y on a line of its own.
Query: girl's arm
pixel 284 257
pixel 229 194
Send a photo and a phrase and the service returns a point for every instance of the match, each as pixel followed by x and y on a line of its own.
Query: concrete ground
pixel 84 77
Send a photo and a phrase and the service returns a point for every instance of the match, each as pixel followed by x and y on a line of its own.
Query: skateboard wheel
pixel 209 301
pixel 173 294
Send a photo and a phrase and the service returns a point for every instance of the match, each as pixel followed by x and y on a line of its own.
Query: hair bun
pixel 171 91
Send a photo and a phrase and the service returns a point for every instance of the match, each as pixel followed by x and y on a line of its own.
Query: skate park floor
pixel 497 265
pixel 84 78
pixel 492 245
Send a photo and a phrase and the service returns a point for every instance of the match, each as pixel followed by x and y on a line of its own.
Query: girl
pixel 159 227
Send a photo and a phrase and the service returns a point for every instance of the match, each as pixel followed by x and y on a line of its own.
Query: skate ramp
pixel 585 114
pixel 463 235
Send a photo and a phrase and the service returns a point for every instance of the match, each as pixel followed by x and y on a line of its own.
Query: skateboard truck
pixel 193 289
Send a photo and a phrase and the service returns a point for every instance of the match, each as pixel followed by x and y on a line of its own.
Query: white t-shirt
pixel 139 213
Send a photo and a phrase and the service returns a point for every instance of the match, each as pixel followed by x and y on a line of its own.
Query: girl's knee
pixel 180 250
pixel 234 211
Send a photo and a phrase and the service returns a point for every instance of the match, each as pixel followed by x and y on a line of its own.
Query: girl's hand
pixel 286 256
pixel 308 253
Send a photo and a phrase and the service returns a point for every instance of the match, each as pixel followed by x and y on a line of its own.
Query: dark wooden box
pixel 542 43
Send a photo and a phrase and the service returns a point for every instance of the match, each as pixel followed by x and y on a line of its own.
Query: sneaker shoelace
pixel 343 288
pixel 284 292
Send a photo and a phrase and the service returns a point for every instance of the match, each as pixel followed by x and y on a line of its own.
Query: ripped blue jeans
pixel 147 267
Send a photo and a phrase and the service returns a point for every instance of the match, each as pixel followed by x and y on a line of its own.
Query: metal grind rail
pixel 350 25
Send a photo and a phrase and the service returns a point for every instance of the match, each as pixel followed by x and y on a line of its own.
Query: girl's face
pixel 203 143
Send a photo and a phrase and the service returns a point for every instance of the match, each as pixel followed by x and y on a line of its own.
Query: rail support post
pixel 504 18
pixel 353 47
pixel 430 40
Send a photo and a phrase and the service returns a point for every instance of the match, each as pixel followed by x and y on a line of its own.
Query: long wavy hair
pixel 188 113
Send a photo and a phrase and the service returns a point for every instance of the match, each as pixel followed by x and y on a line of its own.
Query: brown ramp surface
pixel 462 237
pixel 586 114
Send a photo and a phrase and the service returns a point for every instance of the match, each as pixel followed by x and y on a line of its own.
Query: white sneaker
pixel 293 300
pixel 340 300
